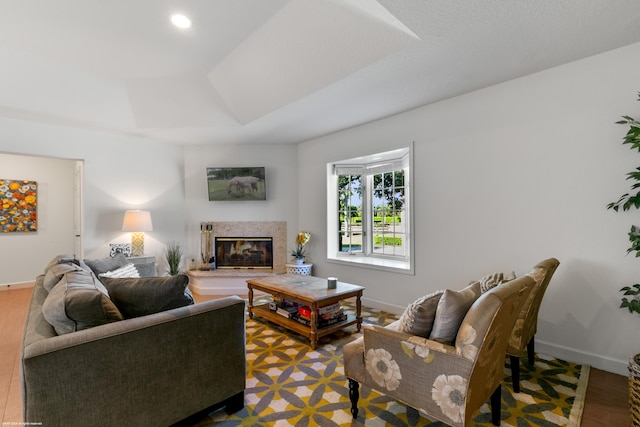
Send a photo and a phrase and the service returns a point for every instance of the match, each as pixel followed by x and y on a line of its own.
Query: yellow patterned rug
pixel 289 384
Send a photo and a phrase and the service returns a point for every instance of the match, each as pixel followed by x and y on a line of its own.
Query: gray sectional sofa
pixel 151 370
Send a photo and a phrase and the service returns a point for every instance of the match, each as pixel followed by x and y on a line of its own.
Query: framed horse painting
pixel 236 184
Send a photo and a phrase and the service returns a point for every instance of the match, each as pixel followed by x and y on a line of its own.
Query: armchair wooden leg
pixel 515 372
pixel 531 352
pixel 496 402
pixel 354 395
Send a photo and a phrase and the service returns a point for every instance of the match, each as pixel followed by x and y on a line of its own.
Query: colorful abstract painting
pixel 18 206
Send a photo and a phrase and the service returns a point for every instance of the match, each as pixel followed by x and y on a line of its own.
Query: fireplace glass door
pixel 244 252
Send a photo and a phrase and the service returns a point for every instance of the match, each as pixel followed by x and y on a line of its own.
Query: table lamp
pixel 137 222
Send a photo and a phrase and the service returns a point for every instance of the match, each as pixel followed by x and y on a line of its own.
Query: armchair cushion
pixel 137 297
pixel 492 280
pixel 418 317
pixel 452 308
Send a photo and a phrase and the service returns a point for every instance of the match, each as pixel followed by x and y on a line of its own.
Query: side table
pixel 303 269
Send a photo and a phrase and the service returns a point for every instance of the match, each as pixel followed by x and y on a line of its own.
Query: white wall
pixel 280 162
pixel 120 172
pixel 503 178
pixel 19 250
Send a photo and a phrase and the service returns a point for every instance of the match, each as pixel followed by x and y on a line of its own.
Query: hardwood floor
pixel 13 311
pixel 606 402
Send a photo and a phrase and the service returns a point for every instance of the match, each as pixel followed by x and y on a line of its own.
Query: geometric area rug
pixel 290 384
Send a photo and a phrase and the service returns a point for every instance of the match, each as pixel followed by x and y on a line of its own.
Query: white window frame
pixel 368 166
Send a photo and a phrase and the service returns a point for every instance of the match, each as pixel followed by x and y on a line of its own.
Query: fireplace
pixel 244 252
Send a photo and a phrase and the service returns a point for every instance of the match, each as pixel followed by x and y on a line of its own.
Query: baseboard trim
pixel 381 305
pixel 598 361
pixel 23 285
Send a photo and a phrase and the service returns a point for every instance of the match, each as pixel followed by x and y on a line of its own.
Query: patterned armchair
pixel 446 382
pixel 527 322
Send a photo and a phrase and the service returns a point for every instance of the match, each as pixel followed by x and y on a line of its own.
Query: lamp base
pixel 137 244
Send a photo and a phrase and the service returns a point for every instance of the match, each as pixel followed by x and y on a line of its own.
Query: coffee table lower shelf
pixel 293 325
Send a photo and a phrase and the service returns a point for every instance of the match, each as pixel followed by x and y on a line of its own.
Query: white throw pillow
pixel 127 271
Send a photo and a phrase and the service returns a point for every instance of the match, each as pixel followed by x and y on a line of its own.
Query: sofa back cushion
pixel 79 301
pixel 62 258
pixel 148 295
pixel 55 272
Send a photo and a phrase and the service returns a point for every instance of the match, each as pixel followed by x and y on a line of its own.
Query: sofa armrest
pixel 151 370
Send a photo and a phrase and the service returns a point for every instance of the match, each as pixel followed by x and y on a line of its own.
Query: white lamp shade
pixel 136 221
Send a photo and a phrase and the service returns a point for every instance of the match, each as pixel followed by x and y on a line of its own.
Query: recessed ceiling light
pixel 181 21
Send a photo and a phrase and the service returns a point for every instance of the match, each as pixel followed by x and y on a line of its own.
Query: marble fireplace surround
pixel 234 281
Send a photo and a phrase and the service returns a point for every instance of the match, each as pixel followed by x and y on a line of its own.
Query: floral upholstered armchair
pixel 446 377
pixel 526 324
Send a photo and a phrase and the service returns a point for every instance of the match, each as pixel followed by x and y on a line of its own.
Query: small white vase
pixel 299 261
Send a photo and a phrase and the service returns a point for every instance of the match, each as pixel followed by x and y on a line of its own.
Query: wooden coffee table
pixel 307 290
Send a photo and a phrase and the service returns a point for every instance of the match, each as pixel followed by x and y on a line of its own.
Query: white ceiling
pixel 278 71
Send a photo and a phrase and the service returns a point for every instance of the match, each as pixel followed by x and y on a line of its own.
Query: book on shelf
pixel 331 308
pixel 283 307
pixel 321 322
pixel 287 311
pixel 335 310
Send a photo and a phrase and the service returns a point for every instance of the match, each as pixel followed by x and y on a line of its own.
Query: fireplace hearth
pixel 244 252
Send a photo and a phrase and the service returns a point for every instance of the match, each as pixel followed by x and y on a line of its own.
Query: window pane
pixel 371 219
pixel 388 209
pixel 350 213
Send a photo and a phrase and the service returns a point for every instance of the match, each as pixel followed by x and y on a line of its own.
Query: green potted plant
pixel 173 256
pixel 631 294
pixel 631 298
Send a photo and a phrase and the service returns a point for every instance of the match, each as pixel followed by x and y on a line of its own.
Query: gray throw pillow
pixel 148 295
pixel 79 301
pixel 452 308
pixel 102 265
pixel 418 317
pixel 147 269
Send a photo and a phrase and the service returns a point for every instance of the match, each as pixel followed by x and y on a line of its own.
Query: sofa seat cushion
pixel 452 308
pixel 148 295
pixel 79 301
pixel 418 317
